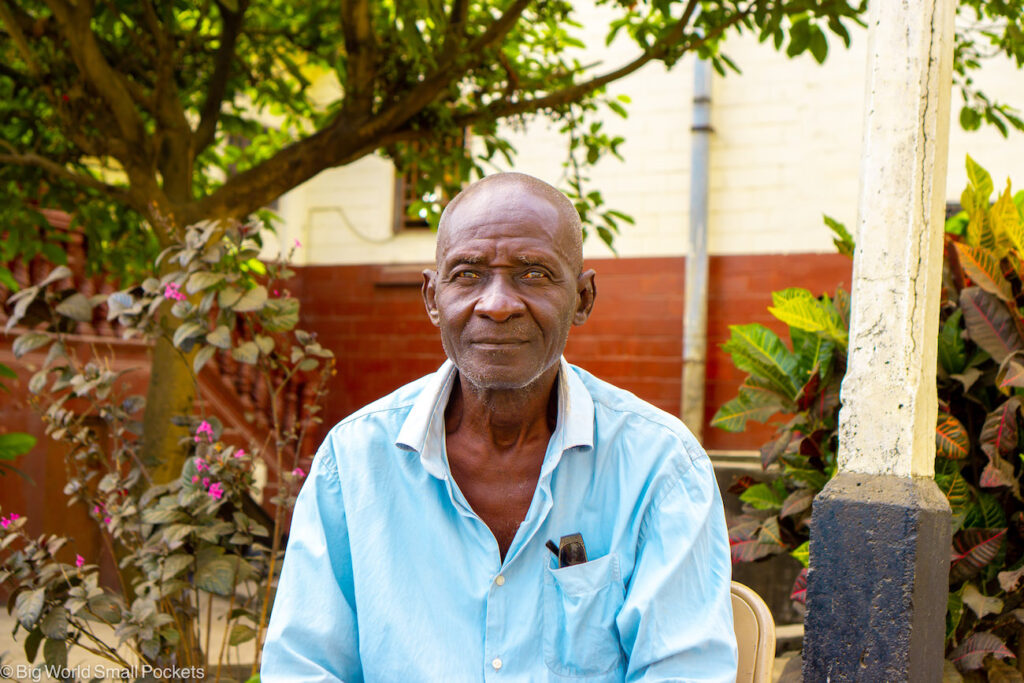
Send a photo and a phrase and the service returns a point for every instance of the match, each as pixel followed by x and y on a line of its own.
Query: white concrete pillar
pixel 887 423
pixel 880 530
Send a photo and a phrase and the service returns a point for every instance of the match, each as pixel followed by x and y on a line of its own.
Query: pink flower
pixel 96 509
pixel 79 560
pixel 297 244
pixel 216 491
pixel 276 292
pixel 171 291
pixel 195 478
pixel 14 516
pixel 204 428
pixel 298 472
pixel 239 453
pixel 201 464
pixel 106 520
pixel 206 482
pixel 5 522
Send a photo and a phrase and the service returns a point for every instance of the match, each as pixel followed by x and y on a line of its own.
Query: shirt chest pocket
pixel 580 606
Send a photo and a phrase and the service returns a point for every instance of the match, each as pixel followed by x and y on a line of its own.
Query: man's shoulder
pixel 635 417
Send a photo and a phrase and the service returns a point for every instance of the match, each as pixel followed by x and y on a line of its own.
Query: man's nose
pixel 499 301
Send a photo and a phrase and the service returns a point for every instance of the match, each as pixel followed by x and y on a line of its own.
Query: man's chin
pixel 499 378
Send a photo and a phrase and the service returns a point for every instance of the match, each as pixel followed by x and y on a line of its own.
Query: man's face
pixel 507 287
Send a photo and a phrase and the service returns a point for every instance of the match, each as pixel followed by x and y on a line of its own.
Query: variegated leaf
pixel 951 438
pixel 974 549
pixel 982 266
pixel 989 323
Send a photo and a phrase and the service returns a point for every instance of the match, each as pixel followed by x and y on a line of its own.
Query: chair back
pixel 755 635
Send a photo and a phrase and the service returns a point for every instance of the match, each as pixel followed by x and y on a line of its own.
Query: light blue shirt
pixel 389 575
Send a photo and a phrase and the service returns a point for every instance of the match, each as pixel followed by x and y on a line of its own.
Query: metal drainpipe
pixel 695 317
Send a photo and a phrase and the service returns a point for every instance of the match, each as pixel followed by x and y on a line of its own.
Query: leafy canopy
pixel 168 112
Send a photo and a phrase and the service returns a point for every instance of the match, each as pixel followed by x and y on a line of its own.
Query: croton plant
pixel 979 458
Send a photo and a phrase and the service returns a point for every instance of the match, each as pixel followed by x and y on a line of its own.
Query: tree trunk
pixel 171 393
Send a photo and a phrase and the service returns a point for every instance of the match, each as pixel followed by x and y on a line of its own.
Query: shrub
pixel 979 460
pixel 177 543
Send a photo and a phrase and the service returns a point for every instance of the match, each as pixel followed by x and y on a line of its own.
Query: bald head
pixel 504 190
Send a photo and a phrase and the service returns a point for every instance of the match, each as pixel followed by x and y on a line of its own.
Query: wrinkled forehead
pixel 506 211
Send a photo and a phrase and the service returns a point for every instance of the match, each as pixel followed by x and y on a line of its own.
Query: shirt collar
pixel 423 429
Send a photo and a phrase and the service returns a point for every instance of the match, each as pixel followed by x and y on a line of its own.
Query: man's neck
pixel 506 418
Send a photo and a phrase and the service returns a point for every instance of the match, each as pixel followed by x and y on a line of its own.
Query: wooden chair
pixel 755 635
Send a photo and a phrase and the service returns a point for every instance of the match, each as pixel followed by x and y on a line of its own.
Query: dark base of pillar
pixel 878 584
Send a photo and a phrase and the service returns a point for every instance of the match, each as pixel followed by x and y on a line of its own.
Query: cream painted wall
pixel 785 150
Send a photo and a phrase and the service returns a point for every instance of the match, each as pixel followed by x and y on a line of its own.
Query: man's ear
pixel 586 291
pixel 429 293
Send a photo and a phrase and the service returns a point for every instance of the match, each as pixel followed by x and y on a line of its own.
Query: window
pixel 407 201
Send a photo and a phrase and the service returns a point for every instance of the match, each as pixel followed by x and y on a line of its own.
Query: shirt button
pixel 500 580
pixel 496 663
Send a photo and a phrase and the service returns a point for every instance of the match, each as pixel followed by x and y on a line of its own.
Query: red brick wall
pixel 373 319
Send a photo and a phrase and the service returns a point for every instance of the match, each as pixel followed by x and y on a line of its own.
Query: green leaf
pixel 757 350
pixel 980 182
pixel 7 279
pixel 32 642
pixel 252 300
pixel 240 633
pixel 15 444
pixel 843 239
pixel 186 331
pixel 956 489
pixel 802 553
pixel 77 307
pixel 220 337
pixel 986 513
pixel 215 573
pixel 733 415
pixel 203 279
pixel 28 342
pixel 246 353
pixel 55 624
pixel 202 357
pixel 798 308
pixel 763 497
pixel 280 315
pixel 55 653
pixel 28 606
pixel 952 353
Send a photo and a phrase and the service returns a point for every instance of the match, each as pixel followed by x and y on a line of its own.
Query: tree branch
pixel 75 24
pixel 53 168
pixel 9 20
pixel 361 49
pixel 424 93
pixel 232 25
pixel 564 96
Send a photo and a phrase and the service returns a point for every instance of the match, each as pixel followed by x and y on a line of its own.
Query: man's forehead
pixel 509 204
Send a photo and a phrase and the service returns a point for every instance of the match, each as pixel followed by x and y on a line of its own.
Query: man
pixel 421 543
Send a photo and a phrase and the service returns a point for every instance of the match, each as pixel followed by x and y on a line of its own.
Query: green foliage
pixel 127 115
pixel 201 534
pixel 13 445
pixel 979 455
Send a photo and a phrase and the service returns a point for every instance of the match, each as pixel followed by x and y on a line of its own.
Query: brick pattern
pixel 373 319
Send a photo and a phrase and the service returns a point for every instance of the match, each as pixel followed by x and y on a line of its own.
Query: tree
pixel 143 117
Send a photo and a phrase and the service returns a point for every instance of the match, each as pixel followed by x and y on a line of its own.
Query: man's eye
pixel 534 274
pixel 465 275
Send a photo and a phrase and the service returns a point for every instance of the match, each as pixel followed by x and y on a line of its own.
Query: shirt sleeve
pixel 313 633
pixel 676 621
